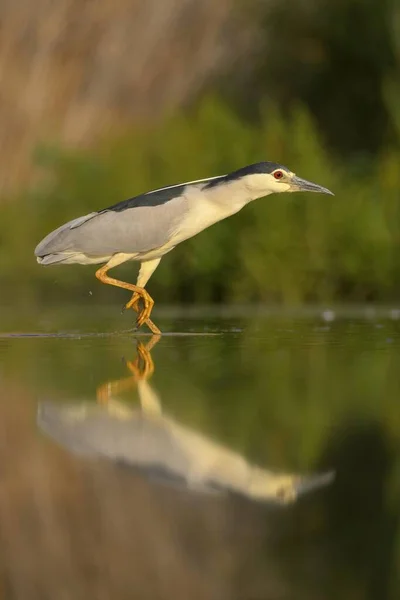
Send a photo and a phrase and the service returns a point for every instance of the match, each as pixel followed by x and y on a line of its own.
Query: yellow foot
pixel 143 366
pixel 133 302
pixel 153 328
pixel 143 317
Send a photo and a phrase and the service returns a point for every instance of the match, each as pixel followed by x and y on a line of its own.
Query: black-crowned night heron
pixel 163 448
pixel 146 227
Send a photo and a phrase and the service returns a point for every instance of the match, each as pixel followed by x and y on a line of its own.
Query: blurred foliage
pixel 289 248
pixel 78 69
pixel 314 85
pixel 333 55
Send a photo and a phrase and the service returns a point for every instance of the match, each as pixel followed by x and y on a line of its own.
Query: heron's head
pixel 271 178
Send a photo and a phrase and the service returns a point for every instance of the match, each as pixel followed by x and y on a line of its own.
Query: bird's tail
pixel 51 259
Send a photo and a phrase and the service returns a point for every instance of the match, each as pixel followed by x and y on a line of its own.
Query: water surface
pixel 293 394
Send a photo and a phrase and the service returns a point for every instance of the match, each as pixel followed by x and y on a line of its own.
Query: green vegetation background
pixel 336 122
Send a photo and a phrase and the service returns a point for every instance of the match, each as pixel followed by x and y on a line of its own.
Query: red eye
pixel 278 174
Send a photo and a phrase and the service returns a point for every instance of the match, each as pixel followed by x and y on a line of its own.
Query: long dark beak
pixel 302 185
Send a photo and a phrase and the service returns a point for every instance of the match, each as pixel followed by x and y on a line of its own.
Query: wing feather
pixel 133 230
pixel 160 195
pixel 139 224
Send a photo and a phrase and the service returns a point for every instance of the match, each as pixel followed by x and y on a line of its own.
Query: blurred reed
pixel 102 101
pixel 289 249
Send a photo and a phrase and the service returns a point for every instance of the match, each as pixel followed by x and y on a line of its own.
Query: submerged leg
pixel 144 316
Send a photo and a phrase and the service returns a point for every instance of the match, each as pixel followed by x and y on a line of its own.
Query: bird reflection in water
pixel 165 450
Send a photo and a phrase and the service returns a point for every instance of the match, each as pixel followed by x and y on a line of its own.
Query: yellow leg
pixel 142 318
pixel 144 315
pixel 133 302
pixel 138 372
pixel 107 390
pixel 144 354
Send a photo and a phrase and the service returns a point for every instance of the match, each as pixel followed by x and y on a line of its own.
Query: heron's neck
pixel 235 196
pixel 206 207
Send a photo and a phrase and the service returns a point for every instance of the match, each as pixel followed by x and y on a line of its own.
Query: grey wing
pixel 133 230
pixel 136 442
pixel 89 430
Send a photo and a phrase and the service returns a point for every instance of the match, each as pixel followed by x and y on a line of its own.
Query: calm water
pixel 187 467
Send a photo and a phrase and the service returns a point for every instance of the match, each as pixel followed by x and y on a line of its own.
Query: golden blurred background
pixel 100 101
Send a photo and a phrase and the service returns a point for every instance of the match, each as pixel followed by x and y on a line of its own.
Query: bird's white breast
pixel 199 209
pixel 202 211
